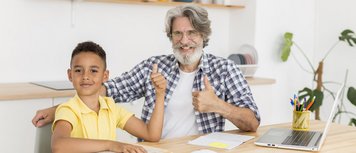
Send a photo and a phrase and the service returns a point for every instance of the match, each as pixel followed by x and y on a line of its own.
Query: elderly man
pixel 202 89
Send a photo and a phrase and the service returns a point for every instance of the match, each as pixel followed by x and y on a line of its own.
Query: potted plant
pixel 347 36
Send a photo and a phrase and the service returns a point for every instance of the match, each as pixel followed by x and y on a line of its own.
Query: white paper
pixel 221 140
pixel 203 151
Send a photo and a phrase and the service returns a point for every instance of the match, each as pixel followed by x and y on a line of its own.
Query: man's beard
pixel 189 58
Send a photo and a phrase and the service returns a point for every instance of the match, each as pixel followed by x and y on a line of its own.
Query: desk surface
pixel 340 138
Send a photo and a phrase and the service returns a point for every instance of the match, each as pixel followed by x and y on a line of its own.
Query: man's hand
pixel 206 100
pixel 44 116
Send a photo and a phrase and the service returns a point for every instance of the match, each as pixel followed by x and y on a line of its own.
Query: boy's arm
pixel 62 142
pixel 153 130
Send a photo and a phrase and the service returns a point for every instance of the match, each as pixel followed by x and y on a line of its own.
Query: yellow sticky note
pixel 218 145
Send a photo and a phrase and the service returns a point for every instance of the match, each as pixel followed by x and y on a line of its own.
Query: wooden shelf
pixel 260 81
pixel 141 2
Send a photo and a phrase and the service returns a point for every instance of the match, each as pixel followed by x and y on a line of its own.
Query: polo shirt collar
pixel 85 109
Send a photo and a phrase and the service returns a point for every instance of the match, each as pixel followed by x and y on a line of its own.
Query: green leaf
pixel 351 95
pixel 348 36
pixel 309 94
pixel 352 122
pixel 319 96
pixel 288 42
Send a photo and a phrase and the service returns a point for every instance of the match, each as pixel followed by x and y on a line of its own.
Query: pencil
pixel 310 104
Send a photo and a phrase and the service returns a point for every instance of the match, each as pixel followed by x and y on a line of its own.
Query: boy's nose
pixel 86 76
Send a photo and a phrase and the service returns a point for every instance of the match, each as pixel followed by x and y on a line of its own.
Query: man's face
pixel 87 73
pixel 186 41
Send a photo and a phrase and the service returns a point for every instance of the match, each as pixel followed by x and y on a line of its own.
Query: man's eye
pixel 192 32
pixel 177 33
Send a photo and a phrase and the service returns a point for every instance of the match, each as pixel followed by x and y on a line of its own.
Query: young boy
pixel 88 122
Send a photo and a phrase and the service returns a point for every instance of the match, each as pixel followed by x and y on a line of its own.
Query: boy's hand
pixel 127 148
pixel 158 80
pixel 44 117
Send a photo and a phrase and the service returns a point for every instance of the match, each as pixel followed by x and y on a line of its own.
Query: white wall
pixel 316 27
pixel 37 37
pixel 332 18
pixel 273 18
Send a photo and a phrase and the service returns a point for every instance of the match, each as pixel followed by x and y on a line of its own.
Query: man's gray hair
pixel 198 17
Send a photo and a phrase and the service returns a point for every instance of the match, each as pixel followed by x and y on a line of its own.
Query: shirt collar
pixel 204 65
pixel 85 109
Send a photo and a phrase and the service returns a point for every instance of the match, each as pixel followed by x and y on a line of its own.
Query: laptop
pixel 300 140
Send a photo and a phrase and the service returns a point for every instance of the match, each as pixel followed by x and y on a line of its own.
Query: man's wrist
pixel 160 95
pixel 224 108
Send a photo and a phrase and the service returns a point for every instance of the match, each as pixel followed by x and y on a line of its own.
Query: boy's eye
pixel 94 70
pixel 77 70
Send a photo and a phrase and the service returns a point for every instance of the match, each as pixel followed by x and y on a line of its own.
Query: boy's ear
pixel 69 73
pixel 106 76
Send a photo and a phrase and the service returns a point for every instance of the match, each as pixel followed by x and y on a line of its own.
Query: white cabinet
pixel 17 131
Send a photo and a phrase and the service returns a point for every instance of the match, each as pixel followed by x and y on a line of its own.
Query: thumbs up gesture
pixel 205 101
pixel 158 80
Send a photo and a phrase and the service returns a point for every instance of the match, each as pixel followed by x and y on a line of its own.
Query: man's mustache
pixel 177 46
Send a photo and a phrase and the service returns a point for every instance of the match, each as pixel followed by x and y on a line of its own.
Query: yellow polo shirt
pixel 86 123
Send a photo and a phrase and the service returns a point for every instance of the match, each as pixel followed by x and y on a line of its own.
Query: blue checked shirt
pixel 225 77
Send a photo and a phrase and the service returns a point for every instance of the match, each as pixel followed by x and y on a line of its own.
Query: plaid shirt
pixel 225 77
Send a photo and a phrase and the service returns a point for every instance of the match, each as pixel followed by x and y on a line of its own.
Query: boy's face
pixel 87 73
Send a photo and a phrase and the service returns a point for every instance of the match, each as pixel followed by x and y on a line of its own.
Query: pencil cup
pixel 301 120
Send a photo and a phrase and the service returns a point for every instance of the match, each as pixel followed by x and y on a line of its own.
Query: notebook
pixel 300 140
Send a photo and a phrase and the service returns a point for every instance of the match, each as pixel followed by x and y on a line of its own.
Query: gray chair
pixel 43 139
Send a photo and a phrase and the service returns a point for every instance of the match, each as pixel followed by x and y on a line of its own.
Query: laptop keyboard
pixel 299 138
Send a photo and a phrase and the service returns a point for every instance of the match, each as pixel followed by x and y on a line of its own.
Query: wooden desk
pixel 16 91
pixel 340 138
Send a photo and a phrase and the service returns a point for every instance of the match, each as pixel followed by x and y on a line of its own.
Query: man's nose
pixel 185 39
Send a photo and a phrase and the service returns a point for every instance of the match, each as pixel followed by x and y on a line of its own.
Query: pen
pixel 310 104
pixel 291 102
pixel 304 104
pixel 301 107
pixel 295 102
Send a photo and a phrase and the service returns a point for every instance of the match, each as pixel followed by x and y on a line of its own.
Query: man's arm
pixel 207 101
pixel 243 118
pixel 44 116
